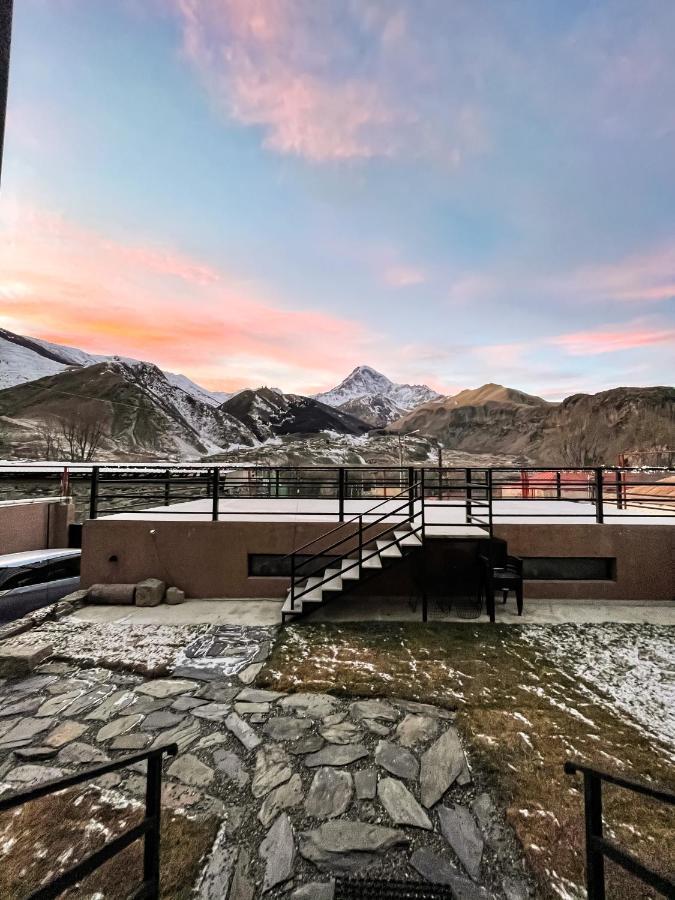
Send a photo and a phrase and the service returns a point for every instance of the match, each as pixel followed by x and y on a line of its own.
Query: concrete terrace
pixel 439 515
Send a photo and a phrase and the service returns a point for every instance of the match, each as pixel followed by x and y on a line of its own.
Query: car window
pixel 26 578
pixel 64 568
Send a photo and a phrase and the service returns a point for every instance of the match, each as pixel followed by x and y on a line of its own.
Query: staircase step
pixel 334 582
pixel 286 609
pixel 313 593
pixel 350 569
pixel 374 562
pixel 406 539
pixel 388 549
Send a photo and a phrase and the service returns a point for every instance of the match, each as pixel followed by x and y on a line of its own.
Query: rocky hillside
pixel 585 429
pixel 268 412
pixel 25 359
pixel 372 397
pixel 595 428
pixel 141 415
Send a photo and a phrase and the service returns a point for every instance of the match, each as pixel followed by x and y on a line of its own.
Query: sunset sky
pixel 275 191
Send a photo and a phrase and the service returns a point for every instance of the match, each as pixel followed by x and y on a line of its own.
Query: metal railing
pixel 599 494
pixel 148 828
pixel 598 846
pixel 357 540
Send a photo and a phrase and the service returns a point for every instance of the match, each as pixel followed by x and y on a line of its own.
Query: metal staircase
pixel 367 544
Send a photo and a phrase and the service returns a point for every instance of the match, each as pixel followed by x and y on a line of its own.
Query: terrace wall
pixel 210 559
pixel 34 524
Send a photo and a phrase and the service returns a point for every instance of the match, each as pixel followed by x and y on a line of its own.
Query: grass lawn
pixel 47 836
pixel 522 710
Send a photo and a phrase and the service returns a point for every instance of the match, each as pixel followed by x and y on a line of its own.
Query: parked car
pixel 36 578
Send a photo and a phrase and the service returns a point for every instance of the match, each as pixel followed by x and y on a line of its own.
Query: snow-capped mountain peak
pixel 372 396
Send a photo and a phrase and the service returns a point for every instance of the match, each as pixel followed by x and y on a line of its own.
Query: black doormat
pixel 381 889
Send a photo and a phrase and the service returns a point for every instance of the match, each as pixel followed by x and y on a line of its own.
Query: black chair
pixel 504 573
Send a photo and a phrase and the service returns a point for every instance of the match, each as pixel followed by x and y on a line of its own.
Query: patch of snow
pixel 629 667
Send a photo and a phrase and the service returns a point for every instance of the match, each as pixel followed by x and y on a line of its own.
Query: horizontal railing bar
pixel 60 784
pixel 664 794
pixel 92 862
pixel 660 882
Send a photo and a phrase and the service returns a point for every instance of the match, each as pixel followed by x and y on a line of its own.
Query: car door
pixel 23 592
pixel 63 578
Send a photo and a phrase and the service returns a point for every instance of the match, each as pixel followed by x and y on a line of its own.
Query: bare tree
pixel 50 434
pixel 82 434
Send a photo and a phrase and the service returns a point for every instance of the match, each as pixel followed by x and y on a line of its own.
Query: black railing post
pixel 467 476
pixel 215 492
pixel 276 482
pixel 341 494
pixel 599 500
pixel 595 863
pixel 93 493
pixel 411 493
pixel 619 504
pixel 488 479
pixel 360 545
pixel 167 487
pixel 558 486
pixel 293 581
pixel 153 809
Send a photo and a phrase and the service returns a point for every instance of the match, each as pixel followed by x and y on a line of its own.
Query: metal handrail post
pixel 467 476
pixel 153 809
pixel 167 487
pixel 619 504
pixel 411 492
pixel 93 493
pixel 599 500
pixel 489 493
pixel 215 493
pixel 595 862
pixel 341 494
pixel 558 486
pixel 360 545
pixel 293 581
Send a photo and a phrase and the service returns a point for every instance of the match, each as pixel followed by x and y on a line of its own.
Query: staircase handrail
pixel 359 562
pixel 411 516
pixel 356 518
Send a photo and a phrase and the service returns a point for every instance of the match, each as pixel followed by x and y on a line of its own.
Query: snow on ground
pixel 150 648
pixel 632 665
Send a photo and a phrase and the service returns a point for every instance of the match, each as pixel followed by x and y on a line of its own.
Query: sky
pixel 276 191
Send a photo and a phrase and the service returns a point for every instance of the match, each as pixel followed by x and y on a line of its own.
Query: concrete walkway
pixel 192 612
pixel 353 609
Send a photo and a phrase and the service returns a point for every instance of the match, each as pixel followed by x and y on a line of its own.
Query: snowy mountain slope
pixel 24 359
pixel 141 412
pixel 371 396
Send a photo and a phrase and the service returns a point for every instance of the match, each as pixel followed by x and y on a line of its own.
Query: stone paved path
pixel 307 786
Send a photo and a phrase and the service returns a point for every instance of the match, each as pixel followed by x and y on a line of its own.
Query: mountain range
pixel 375 399
pixel 141 412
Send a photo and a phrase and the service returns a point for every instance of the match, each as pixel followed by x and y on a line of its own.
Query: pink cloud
pixel 72 285
pixel 592 342
pixel 647 277
pixel 290 68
